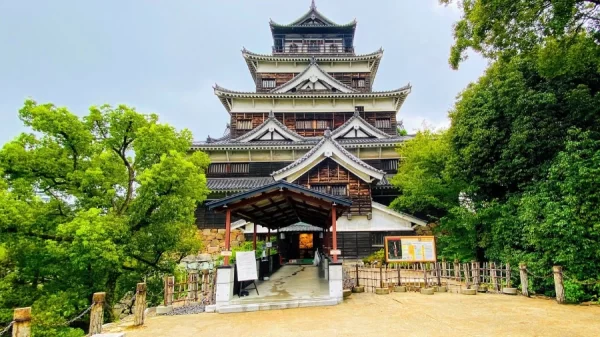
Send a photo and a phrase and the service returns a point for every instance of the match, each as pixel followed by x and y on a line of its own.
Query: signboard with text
pixel 246 266
pixel 410 249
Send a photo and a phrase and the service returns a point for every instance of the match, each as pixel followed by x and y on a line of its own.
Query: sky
pixel 165 56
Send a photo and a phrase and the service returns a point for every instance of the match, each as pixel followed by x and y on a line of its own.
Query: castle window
pixel 389 165
pixel 244 124
pixel 358 82
pixel 333 48
pixel 268 83
pixel 377 239
pixel 293 48
pixel 313 124
pixel 340 190
pixel 313 47
pixel 383 123
pixel 229 168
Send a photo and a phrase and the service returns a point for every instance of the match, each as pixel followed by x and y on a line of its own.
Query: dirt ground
pixel 396 314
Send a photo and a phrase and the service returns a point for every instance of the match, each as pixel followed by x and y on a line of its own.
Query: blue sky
pixel 165 56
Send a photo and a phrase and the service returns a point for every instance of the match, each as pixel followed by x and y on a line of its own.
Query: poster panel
pixel 410 249
pixel 246 266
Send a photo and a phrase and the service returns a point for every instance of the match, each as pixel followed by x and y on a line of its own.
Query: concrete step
pixel 276 305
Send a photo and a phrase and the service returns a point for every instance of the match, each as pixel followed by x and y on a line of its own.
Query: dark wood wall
pixel 357 245
pixel 336 119
pixel 330 173
pixel 346 78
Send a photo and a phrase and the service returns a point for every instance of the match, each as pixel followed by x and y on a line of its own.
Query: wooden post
pixel 170 290
pixel 399 279
pixel 357 282
pixel 475 273
pixel 424 275
pixel 140 304
pixel 334 230
pixel 524 281
pixel 558 284
pixel 494 276
pixel 22 325
pixel 467 280
pixel 254 237
pixel 456 271
pixel 97 313
pixel 507 275
pixel 438 273
pixel 380 276
pixel 227 234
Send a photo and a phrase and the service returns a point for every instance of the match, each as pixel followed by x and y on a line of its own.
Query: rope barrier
pixel 7 328
pixel 541 277
pixel 67 323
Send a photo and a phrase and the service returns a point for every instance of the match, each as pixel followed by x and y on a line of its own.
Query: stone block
pixel 358 289
pixel 210 308
pixel 221 231
pixel 235 244
pixel 163 310
pixel 335 272
pixel 219 236
pixel 468 292
pixel 400 289
pixel 427 291
pixel 509 291
pixel 212 250
pixel 214 243
pixel 214 230
pixel 441 289
pixel 335 288
pixel 382 291
pixel 206 231
pixel 241 238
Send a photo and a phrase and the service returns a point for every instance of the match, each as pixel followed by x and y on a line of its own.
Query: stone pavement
pixel 397 314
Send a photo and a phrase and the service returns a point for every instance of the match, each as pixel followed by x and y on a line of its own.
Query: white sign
pixel 335 252
pixel 246 266
pixel 226 253
pixel 269 244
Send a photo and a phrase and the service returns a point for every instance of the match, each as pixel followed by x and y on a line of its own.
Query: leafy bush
pixel 378 256
pixel 574 293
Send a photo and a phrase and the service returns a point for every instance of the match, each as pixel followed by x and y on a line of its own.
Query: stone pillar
pixel 325 263
pixel 225 279
pixel 336 281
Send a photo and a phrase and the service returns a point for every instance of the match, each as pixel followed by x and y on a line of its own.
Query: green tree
pixel 92 204
pixel 510 27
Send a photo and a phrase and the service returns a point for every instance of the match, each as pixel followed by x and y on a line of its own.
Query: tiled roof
pixel 313 63
pixel 313 13
pixel 326 138
pixel 300 227
pixel 309 142
pixel 317 94
pixel 301 58
pixel 271 118
pixel 236 184
pixel 386 182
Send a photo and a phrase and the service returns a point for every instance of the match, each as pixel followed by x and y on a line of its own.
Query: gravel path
pixel 397 314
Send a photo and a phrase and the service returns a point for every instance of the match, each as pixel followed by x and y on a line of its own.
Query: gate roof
pixel 281 204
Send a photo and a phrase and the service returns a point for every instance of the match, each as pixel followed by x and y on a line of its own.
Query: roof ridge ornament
pixel 313 60
pixel 356 112
pixel 313 6
pixel 327 133
pixel 271 114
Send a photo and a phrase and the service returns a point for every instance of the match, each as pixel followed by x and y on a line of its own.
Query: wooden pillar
pixel 268 240
pixel 558 284
pixel 475 273
pixel 227 234
pixel 456 270
pixel 97 313
pixel 334 230
pixel 494 276
pixel 254 237
pixel 140 304
pixel 524 280
pixel 508 275
pixel 22 322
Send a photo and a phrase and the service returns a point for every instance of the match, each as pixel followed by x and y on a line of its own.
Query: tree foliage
pixel 92 204
pixel 510 27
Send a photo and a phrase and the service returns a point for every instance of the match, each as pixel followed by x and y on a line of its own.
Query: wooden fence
pixel 21 323
pixel 192 287
pixel 491 277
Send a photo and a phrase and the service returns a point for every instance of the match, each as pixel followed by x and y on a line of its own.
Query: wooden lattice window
pixel 359 83
pixel 313 124
pixel 333 48
pixel 293 48
pixel 244 124
pixel 340 190
pixel 383 123
pixel 229 168
pixel 389 165
pixel 268 83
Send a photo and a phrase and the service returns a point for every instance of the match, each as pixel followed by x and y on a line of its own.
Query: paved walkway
pixel 398 314
pixel 289 282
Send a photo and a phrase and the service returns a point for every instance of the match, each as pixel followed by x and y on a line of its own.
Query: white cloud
pixel 451 9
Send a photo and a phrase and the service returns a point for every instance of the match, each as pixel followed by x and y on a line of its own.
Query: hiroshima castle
pixel 314 123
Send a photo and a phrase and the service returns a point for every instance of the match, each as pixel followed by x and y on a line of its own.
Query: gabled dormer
pixel 313 33
pixel 270 130
pixel 357 127
pixel 313 78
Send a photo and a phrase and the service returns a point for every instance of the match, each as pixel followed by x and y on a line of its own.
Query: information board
pixel 410 249
pixel 246 266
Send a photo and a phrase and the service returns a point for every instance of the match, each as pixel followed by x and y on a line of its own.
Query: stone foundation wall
pixel 214 240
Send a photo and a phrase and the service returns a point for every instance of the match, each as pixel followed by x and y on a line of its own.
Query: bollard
pixel 524 281
pixel 140 304
pixel 97 313
pixel 22 325
pixel 558 284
